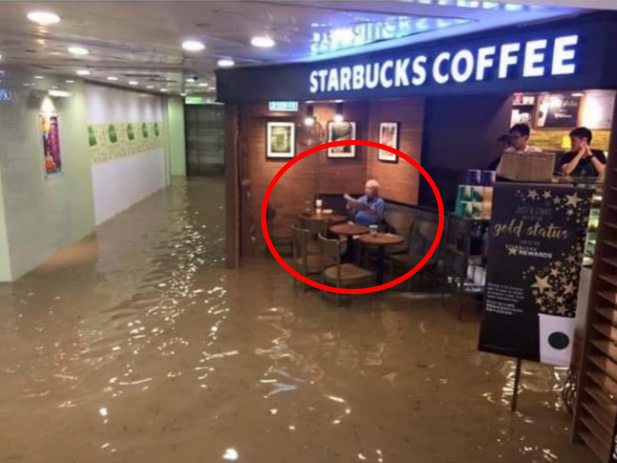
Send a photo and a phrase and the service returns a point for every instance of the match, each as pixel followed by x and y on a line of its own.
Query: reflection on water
pixel 137 345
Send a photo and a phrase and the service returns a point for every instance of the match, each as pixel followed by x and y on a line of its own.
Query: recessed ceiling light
pixel 70 81
pixel 191 80
pixel 81 51
pixel 203 84
pixel 183 94
pixel 112 78
pixel 133 82
pixel 262 42
pixel 150 87
pixel 226 63
pixel 83 72
pixel 193 45
pixel 39 77
pixel 43 18
pixel 163 90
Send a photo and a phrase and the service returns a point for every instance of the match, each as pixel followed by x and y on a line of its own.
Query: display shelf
pixel 595 414
pixel 609 315
pixel 596 445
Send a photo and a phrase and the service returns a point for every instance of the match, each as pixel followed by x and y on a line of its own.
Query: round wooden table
pixel 349 230
pixel 331 218
pixel 381 240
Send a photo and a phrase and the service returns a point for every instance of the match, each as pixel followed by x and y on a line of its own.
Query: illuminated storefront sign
pixel 518 59
pixel 327 40
pixel 562 55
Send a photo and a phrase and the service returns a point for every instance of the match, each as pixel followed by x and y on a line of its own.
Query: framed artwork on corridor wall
pixel 338 131
pixel 281 140
pixel 388 135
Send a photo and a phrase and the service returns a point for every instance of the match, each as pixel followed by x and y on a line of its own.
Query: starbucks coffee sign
pixel 523 59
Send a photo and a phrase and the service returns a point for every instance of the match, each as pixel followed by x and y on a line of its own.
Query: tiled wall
pixel 551 139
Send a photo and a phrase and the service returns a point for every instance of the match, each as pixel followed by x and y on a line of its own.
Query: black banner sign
pixel 536 244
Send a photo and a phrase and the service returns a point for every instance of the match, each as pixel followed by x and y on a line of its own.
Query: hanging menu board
pixel 536 242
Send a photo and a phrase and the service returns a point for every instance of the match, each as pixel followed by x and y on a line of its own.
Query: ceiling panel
pixel 141 41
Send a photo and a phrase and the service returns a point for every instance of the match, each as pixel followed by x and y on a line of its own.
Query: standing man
pixel 503 143
pixel 370 208
pixel 519 140
pixel 583 161
pixel 519 143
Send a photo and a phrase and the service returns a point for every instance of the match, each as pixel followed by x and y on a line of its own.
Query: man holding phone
pixel 583 161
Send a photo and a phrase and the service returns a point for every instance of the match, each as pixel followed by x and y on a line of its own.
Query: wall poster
pixel 51 143
pixel 536 242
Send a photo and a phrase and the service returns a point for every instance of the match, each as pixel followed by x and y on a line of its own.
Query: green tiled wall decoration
pixel 109 142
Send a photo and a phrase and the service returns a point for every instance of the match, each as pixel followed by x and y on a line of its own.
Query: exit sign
pixel 288 106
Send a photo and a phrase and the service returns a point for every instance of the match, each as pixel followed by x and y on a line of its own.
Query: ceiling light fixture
pixel 80 51
pixel 150 87
pixel 164 90
pixel 226 62
pixel 183 94
pixel 203 84
pixel 70 81
pixel 59 93
pixel 39 77
pixel 193 45
pixel 133 82
pixel 83 72
pixel 262 42
pixel 112 78
pixel 43 18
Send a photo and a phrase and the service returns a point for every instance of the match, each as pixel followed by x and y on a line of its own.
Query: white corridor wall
pixel 121 179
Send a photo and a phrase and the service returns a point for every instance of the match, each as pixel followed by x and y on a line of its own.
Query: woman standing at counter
pixel 583 161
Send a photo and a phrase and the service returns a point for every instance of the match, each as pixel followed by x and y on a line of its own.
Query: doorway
pixel 205 139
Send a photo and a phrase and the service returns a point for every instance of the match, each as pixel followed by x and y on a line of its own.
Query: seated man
pixel 370 208
pixel 583 161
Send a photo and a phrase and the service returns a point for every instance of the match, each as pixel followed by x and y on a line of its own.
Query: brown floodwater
pixel 136 345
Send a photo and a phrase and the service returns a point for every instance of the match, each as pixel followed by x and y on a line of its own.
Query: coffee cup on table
pixel 374 229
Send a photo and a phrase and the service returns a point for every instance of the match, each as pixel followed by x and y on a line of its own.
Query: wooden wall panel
pixel 400 181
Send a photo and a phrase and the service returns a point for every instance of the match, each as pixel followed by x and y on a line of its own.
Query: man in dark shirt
pixel 503 143
pixel 583 161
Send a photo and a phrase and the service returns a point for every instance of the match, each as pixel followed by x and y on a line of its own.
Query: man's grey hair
pixel 372 184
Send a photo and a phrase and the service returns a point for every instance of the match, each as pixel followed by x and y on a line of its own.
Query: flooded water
pixel 138 346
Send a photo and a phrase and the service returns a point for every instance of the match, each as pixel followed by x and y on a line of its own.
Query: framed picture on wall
pixel 338 131
pixel 388 135
pixel 281 140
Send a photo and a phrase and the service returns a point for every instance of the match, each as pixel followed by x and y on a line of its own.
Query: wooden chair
pixel 340 275
pixel 305 262
pixel 422 237
pixel 401 223
pixel 278 240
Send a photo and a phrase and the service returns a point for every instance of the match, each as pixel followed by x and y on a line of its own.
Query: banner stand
pixel 517 380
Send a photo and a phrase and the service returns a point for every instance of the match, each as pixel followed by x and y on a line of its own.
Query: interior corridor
pixel 138 346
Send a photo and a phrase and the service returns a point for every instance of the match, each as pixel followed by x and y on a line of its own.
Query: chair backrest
pixel 315 227
pixel 300 237
pixel 401 223
pixel 330 252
